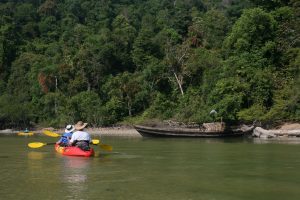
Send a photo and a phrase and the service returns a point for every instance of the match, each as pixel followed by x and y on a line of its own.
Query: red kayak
pixel 73 151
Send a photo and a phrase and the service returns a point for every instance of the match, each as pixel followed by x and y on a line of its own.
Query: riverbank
pixel 123 131
pixel 114 131
pixel 107 131
pixel 290 126
pixel 286 130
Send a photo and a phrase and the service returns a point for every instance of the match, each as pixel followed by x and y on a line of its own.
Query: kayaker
pixel 66 137
pixel 80 138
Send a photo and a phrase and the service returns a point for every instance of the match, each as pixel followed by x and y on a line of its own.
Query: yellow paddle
pixel 38 144
pixel 41 144
pixel 94 141
pixel 106 147
pixel 103 146
pixel 50 133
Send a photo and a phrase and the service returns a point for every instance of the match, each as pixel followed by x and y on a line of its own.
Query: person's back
pixel 80 135
pixel 81 138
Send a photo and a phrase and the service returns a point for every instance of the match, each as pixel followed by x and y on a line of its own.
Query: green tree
pixel 14 112
pixel 176 60
pixel 143 47
pixel 84 106
pixel 210 30
pixel 127 88
pixel 123 35
pixel 254 29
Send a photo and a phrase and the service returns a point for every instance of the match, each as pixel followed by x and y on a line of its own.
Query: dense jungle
pixel 113 62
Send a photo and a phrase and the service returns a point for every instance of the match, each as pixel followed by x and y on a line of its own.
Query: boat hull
pixel 25 134
pixel 73 151
pixel 186 132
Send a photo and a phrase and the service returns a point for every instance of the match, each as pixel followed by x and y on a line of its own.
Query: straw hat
pixel 80 125
pixel 69 128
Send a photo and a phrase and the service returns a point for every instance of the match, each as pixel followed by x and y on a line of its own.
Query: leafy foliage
pixel 109 61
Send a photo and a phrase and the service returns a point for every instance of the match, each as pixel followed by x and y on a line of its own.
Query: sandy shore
pixel 290 126
pixel 114 131
pixel 109 131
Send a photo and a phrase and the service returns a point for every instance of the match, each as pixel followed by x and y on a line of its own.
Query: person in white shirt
pixel 80 138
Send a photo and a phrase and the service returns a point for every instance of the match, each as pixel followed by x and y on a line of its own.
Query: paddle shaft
pixel 51 143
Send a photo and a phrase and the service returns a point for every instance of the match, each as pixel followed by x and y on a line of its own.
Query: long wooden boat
pixel 148 131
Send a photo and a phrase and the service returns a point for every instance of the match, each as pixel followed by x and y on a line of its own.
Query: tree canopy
pixel 107 62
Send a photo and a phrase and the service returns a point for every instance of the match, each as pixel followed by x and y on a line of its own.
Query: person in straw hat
pixel 80 138
pixel 65 138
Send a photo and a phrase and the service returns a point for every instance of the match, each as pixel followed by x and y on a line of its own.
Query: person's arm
pixel 71 141
pixel 59 141
pixel 74 138
pixel 69 136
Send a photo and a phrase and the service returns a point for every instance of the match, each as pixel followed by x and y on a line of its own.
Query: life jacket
pixel 65 138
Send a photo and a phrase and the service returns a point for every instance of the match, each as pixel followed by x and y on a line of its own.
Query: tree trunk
pixel 179 82
pixel 129 106
pixel 88 86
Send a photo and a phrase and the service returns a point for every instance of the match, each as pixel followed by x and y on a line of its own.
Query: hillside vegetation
pixel 106 62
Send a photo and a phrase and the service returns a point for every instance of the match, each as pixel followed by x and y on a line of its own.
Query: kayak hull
pixel 73 151
pixel 25 134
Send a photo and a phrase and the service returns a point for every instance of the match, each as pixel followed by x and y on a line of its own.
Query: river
pixel 153 169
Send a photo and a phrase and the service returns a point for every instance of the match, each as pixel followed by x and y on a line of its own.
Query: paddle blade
pixel 36 144
pixel 106 147
pixel 95 141
pixel 50 133
pixel 103 146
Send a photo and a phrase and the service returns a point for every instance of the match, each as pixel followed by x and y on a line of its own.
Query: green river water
pixel 153 169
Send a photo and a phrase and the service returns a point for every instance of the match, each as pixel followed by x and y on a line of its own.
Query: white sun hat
pixel 69 128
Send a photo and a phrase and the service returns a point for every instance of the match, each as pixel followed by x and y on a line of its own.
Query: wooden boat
pixel 148 131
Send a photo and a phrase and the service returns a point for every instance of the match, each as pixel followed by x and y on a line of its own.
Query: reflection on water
pixel 33 155
pixel 74 175
pixel 278 140
pixel 75 163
